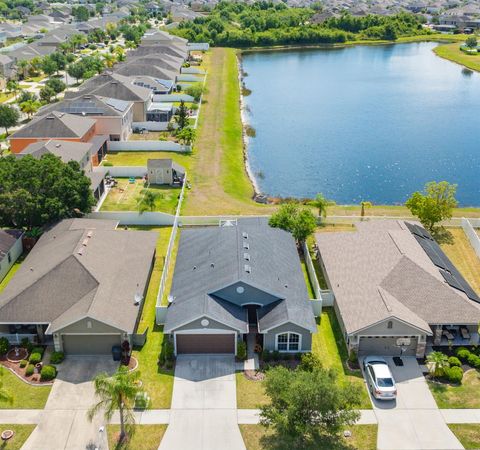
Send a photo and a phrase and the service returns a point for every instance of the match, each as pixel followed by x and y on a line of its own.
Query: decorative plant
pixel 437 362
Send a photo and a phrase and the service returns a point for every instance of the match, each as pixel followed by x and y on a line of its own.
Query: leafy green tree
pixel 80 13
pixel 76 70
pixel 308 404
pixel 322 203
pixel 471 42
pixel 12 86
pixel 5 396
pixel 299 221
pixel 434 204
pixel 146 202
pixel 29 107
pixel 46 94
pixel 116 393
pixel 187 135
pixel 49 66
pixel 26 96
pixel 195 90
pixel 35 192
pixel 59 59
pixel 182 116
pixel 8 117
pixel 56 85
pixel 437 362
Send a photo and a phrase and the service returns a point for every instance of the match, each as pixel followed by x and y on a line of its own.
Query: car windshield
pixel 385 382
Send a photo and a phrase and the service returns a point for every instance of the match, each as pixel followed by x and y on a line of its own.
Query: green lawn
pixel 157 382
pixel 311 294
pixel 22 432
pixel 145 437
pixel 328 343
pixel 467 433
pixel 125 196
pixel 24 395
pixel 6 96
pixel 171 269
pixel 250 394
pixel 257 437
pixel 140 158
pixel 462 396
pixel 453 53
pixel 11 272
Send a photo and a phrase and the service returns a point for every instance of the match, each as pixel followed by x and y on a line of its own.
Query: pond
pixel 362 123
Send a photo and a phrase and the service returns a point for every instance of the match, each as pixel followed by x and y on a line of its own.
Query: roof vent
pixel 31 269
pixel 194 267
pixel 85 242
pixel 286 285
pixel 212 265
pixel 245 235
pixel 170 298
pixel 247 268
pixel 246 246
pixel 90 233
pixel 246 256
pixel 80 251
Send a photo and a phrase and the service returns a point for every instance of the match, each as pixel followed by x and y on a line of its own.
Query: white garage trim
pixel 203 331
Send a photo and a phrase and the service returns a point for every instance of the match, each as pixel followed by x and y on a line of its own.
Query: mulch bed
pixel 254 375
pixel 15 367
pixel 22 354
pixel 288 363
pixel 132 363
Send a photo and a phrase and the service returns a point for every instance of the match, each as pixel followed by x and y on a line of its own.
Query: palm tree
pixel 23 66
pixel 364 206
pixel 147 201
pixel 322 203
pixel 437 362
pixel 30 107
pixel 117 392
pixel 12 86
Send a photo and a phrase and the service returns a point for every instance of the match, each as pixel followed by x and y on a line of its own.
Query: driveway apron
pixel 204 405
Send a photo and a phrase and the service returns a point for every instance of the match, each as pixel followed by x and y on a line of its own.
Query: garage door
pixel 386 346
pixel 95 344
pixel 205 343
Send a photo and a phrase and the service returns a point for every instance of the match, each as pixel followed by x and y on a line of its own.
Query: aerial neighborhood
pixel 204 245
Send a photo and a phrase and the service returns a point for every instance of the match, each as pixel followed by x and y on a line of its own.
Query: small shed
pixel 11 248
pixel 165 171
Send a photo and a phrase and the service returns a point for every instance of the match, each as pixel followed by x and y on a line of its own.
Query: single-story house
pixel 238 279
pixel 81 287
pixel 11 248
pixel 395 291
pixel 156 85
pixel 165 171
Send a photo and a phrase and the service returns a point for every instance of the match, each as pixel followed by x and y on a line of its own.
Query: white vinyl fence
pixel 126 171
pixel 467 225
pixel 170 98
pixel 135 218
pixel 147 146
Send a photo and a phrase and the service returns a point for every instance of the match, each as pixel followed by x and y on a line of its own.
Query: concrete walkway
pixel 204 405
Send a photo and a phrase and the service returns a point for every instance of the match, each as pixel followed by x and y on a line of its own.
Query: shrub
pixel 4 345
pixel 453 361
pixel 23 363
pixel 454 374
pixel 25 343
pixel 169 364
pixel 57 357
pixel 352 357
pixel 35 358
pixel 161 359
pixel 29 370
pixel 48 373
pixel 169 351
pixel 40 350
pixel 473 360
pixel 276 355
pixel 266 355
pixel 242 351
pixel 310 362
pixel 108 164
pixel 463 354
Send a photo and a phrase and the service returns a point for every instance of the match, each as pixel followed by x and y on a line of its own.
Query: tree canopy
pixel 434 204
pixel 296 219
pixel 36 192
pixel 8 117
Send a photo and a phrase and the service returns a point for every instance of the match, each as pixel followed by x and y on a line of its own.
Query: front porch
pixel 454 335
pixel 15 333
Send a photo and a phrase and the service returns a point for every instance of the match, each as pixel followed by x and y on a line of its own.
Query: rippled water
pixel 363 123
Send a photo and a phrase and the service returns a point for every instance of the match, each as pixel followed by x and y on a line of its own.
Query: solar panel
pixel 451 280
pixel 434 256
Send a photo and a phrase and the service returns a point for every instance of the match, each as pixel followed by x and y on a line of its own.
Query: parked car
pixel 379 378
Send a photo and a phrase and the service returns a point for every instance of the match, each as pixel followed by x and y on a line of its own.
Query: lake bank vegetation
pixel 263 23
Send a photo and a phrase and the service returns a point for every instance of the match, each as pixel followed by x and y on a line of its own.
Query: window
pixel 288 342
pixel 390 324
pixel 9 258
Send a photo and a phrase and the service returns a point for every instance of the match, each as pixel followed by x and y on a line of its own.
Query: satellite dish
pixel 138 298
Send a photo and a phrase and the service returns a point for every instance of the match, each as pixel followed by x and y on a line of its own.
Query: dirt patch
pixel 254 375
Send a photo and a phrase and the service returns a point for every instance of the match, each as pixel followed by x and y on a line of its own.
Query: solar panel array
pixel 82 107
pixel 448 271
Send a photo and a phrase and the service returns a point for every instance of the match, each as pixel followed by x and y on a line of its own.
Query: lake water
pixel 363 123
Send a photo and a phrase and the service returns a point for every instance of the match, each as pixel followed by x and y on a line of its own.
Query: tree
pixel 109 59
pixel 322 203
pixel 116 393
pixel 56 85
pixel 35 192
pixel 363 206
pixel 307 404
pixel 434 204
pixel 80 13
pixel 147 201
pixel 12 86
pixel 8 117
pixel 437 362
pixel 182 116
pixel 291 217
pixel 195 90
pixel 23 66
pixel 49 66
pixel 471 42
pixel 187 135
pixel 76 70
pixel 30 107
pixel 46 94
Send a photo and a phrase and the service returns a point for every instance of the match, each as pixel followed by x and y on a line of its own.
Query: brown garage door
pixel 205 343
pixel 95 344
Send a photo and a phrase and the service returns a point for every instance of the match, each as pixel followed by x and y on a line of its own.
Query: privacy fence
pixel 147 146
pixel 469 226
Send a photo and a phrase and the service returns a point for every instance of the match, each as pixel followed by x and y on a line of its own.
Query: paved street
pixel 204 405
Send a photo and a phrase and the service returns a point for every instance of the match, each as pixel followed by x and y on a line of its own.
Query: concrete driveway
pixel 413 421
pixel 63 423
pixel 204 405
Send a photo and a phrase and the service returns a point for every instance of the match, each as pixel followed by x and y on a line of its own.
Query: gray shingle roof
pixel 132 69
pixel 66 150
pixel 58 284
pixel 55 125
pixel 211 258
pixel 90 105
pixel 380 271
pixel 8 238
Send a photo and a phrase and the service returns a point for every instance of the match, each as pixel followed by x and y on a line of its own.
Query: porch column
pixel 40 333
pixel 437 335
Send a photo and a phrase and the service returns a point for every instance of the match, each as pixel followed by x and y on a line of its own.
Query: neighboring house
pixel 162 59
pixel 11 248
pixel 83 153
pixel 160 112
pixel 113 117
pixel 111 85
pixel 54 125
pixel 169 63
pixel 238 280
pixel 81 287
pixel 165 171
pixel 7 66
pixel 131 69
pixel 396 291
pixel 156 85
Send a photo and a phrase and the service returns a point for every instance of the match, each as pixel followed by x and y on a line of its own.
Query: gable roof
pixel 8 238
pixel 81 268
pixel 211 258
pixel 55 124
pixel 381 272
pixel 66 150
pixel 133 69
